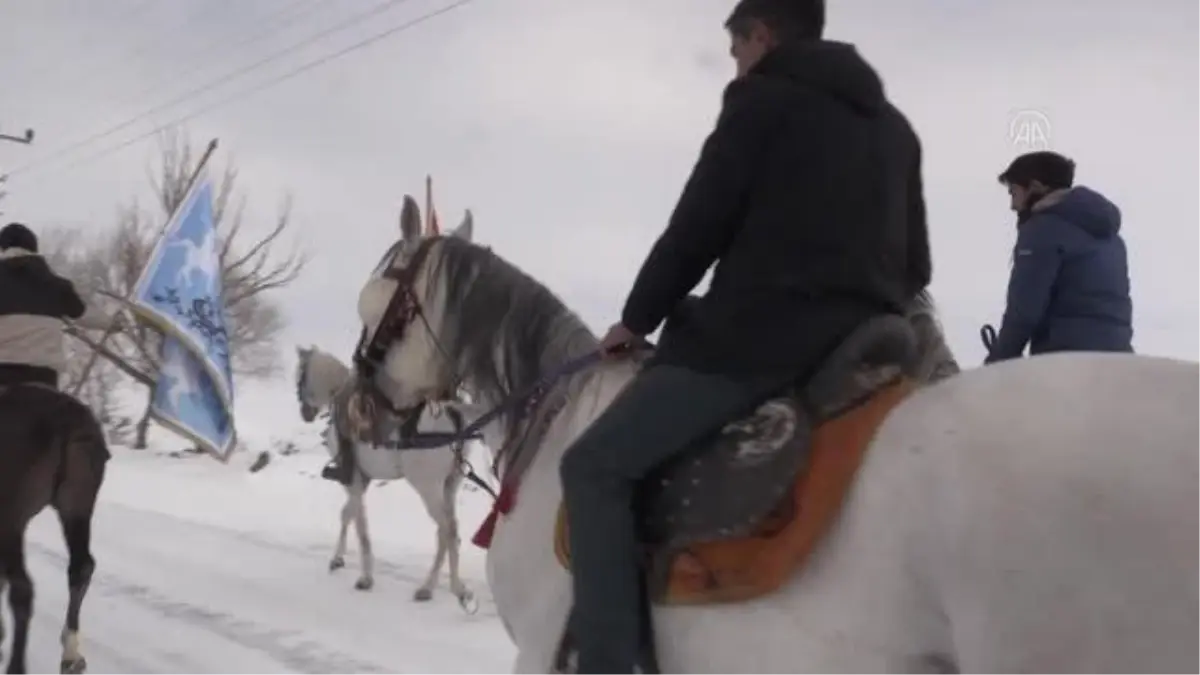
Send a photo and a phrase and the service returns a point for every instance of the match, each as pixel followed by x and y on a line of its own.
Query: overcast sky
pixel 569 127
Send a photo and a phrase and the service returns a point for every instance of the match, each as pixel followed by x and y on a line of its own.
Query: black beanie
pixel 16 235
pixel 1048 168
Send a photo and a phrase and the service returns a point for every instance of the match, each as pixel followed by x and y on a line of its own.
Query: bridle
pixel 404 308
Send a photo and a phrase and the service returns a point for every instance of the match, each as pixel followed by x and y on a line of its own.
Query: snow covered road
pixel 204 568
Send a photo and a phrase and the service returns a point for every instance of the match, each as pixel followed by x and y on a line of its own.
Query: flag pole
pixel 87 369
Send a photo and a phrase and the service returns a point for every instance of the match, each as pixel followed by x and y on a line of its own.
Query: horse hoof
pixel 423 595
pixel 364 584
pixel 468 602
pixel 337 563
pixel 75 667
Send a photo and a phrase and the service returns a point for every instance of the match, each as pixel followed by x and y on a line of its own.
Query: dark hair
pixel 787 19
pixel 1048 168
pixel 16 235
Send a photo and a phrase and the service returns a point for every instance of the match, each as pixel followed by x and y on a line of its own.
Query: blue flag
pixel 180 292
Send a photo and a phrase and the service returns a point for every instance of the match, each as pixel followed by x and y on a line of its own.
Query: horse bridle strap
pixel 400 310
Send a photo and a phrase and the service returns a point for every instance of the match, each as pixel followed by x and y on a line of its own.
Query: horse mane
pixel 507 328
pixel 935 361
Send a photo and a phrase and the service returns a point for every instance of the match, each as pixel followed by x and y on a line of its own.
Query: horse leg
pixel 77 530
pixel 339 553
pixel 20 596
pixel 465 597
pixel 366 579
pixel 424 593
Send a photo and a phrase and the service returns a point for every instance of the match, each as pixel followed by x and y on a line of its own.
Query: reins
pixel 523 399
pixel 987 335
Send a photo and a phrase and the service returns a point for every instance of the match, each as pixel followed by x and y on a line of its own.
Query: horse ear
pixel 410 220
pixel 465 229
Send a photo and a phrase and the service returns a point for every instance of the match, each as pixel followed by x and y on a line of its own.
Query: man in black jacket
pixel 807 196
pixel 34 303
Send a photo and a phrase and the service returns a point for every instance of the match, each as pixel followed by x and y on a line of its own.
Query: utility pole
pixel 25 139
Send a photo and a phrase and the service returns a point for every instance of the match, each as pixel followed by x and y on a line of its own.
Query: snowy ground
pixel 207 568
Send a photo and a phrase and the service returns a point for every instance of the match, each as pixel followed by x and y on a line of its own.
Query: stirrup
pixel 333 471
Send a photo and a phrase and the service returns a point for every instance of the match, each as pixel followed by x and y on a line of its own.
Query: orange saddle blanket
pixel 695 556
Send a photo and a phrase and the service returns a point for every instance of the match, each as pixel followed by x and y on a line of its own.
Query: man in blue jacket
pixel 1069 289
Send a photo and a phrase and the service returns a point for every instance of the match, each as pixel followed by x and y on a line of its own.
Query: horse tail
pixel 84 455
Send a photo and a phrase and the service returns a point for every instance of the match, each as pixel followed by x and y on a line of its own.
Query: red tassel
pixel 483 537
pixel 504 503
pixel 507 498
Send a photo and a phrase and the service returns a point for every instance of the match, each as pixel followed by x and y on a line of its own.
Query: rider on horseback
pixel 34 302
pixel 1069 287
pixel 808 197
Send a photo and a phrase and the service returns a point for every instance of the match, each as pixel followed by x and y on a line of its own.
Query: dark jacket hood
pixel 1086 209
pixel 835 68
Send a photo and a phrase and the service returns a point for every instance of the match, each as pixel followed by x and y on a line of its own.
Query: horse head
pixel 403 311
pixel 319 376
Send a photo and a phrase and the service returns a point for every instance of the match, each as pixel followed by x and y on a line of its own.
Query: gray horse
pixel 435 474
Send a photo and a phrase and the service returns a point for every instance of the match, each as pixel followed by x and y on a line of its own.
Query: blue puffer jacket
pixel 1069 289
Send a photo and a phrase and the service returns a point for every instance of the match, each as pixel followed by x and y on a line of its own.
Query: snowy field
pixel 208 568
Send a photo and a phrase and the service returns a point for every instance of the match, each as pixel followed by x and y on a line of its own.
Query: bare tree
pixel 251 266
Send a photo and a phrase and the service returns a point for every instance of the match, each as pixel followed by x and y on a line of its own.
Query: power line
pixel 118 17
pixel 377 9
pixel 25 138
pixel 89 74
pixel 266 84
pixel 282 18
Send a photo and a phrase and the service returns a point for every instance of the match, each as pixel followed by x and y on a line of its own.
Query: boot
pixel 566 657
pixel 340 469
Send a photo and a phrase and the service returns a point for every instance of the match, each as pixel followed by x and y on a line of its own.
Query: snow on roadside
pixel 287 499
pixel 204 567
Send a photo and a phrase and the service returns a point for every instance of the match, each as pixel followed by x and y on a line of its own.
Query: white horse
pixel 435 474
pixel 1033 516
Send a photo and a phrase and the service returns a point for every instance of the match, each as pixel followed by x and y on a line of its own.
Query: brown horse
pixel 52 452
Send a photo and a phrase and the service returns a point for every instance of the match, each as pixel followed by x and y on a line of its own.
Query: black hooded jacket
pixel 808 197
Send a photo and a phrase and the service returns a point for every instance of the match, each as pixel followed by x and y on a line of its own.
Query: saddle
pixel 735 517
pixel 358 416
